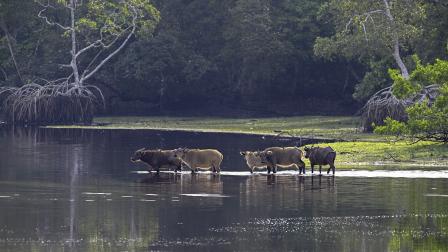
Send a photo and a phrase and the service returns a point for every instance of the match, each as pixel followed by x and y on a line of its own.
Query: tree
pixel 371 28
pixel 230 52
pixel 427 88
pixel 253 47
pixel 96 31
pixel 16 50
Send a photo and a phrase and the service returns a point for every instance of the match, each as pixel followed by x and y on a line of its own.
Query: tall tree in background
pixel 18 41
pixel 96 31
pixel 371 28
pixel 256 55
pixel 249 55
pixel 253 44
pixel 367 29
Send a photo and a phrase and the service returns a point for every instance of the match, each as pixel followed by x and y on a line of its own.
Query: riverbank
pixel 326 127
pixel 355 148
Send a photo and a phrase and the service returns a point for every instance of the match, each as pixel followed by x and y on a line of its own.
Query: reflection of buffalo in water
pixel 321 156
pixel 157 159
pixel 165 178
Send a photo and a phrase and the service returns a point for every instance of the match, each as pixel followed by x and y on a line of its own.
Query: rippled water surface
pixel 76 190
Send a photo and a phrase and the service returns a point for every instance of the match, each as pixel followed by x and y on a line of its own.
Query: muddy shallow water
pixel 76 190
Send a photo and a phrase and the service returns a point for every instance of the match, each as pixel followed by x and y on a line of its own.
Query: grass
pixel 356 149
pixel 330 127
pixel 399 154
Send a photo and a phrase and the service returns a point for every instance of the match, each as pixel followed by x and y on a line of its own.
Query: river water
pixel 76 190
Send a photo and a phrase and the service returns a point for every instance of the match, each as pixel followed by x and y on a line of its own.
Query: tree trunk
pixel 73 33
pixel 4 73
pixel 396 53
pixel 11 51
pixel 162 91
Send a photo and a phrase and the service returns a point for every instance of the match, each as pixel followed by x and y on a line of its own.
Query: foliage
pixel 428 117
pixel 256 56
pixel 376 78
pixel 106 26
pixel 364 30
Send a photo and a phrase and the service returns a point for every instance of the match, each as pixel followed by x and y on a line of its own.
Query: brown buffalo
pixel 321 156
pixel 253 160
pixel 282 156
pixel 157 159
pixel 200 158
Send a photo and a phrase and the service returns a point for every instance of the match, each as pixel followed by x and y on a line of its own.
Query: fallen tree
pixel 384 104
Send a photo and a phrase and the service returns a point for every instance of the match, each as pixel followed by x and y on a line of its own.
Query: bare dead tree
pixel 81 76
pixel 384 103
pixel 368 18
pixel 70 99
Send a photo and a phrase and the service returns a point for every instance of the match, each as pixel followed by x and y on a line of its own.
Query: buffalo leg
pixel 298 168
pixel 320 169
pixel 215 167
pixel 332 168
pixel 274 170
pixel 302 165
pixel 269 169
pixel 312 168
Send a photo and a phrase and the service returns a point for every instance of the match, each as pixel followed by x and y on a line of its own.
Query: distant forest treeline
pixel 222 56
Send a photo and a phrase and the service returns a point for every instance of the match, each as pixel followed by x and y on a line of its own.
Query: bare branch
pixel 40 15
pixel 64 65
pixel 86 70
pixel 92 45
pixel 365 17
pixel 134 27
pixel 4 73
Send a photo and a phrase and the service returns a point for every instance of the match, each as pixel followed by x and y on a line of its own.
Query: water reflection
pixel 68 190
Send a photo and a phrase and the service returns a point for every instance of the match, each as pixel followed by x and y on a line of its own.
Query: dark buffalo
pixel 157 159
pixel 321 156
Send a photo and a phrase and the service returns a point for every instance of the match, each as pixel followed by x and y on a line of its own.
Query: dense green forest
pixel 217 57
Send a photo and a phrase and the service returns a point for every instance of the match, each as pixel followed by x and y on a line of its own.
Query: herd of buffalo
pixel 271 158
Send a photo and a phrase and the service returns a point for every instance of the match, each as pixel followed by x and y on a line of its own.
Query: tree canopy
pixel 252 56
pixel 428 117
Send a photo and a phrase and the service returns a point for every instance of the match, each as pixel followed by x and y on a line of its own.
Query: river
pixel 76 190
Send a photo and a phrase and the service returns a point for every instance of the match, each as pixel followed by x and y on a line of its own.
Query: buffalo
pixel 321 156
pixel 274 157
pixel 200 158
pixel 253 160
pixel 157 159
